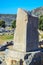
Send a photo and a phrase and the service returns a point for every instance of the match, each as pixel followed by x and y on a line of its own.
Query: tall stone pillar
pixel 26 33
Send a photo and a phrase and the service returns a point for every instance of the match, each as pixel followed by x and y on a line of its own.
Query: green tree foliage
pixel 14 24
pixel 2 23
pixel 40 23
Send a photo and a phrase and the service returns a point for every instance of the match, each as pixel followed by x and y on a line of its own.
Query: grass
pixel 5 38
pixel 41 35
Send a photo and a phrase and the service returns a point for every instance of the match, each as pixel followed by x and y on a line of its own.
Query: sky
pixel 11 6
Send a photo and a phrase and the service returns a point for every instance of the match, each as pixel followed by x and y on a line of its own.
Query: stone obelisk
pixel 26 33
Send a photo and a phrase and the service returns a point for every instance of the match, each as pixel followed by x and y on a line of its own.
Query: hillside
pixel 8 18
pixel 37 11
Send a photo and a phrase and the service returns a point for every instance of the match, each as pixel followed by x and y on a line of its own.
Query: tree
pixel 40 23
pixel 14 24
pixel 2 23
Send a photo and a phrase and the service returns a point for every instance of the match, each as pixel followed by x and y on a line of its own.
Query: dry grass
pixel 4 38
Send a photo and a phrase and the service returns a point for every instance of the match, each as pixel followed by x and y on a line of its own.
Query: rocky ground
pixel 3 48
pixel 2 58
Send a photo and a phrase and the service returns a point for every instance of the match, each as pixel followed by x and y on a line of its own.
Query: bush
pixel 2 23
pixel 14 24
pixel 41 23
